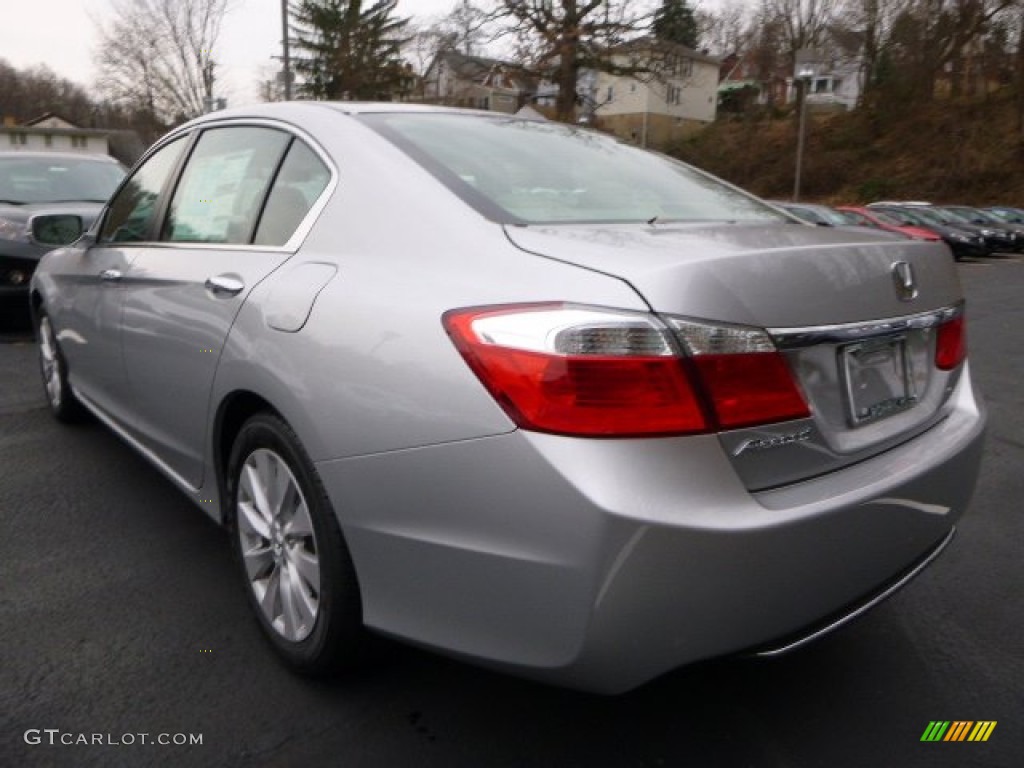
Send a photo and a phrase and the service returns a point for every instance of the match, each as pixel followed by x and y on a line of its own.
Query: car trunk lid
pixel 855 313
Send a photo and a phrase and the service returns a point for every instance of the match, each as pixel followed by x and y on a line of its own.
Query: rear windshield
pixel 531 172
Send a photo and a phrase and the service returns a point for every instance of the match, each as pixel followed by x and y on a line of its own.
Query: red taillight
pixel 515 352
pixel 951 344
pixel 593 372
pixel 751 389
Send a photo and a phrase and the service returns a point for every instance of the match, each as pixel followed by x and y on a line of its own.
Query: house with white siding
pixel 52 132
pixel 657 92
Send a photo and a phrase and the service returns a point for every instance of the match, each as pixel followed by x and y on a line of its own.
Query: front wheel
pixel 298 573
pixel 63 404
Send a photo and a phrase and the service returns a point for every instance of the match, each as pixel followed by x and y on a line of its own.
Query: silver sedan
pixel 514 390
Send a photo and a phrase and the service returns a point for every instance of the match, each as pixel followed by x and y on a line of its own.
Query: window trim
pixel 192 132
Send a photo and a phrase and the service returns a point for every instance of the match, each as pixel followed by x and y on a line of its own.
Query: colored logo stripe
pixel 958 730
pixel 982 730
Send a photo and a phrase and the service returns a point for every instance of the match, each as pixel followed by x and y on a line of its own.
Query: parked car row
pixel 967 230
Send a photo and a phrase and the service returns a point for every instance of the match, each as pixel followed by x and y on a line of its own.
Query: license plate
pixel 877 379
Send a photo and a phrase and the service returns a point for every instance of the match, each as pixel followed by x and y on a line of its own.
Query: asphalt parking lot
pixel 121 615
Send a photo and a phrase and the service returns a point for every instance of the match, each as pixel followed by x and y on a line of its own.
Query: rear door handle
pixel 111 275
pixel 224 285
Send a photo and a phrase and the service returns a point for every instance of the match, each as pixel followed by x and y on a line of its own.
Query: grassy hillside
pixel 940 152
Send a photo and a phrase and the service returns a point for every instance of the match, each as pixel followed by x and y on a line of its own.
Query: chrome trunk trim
pixel 794 338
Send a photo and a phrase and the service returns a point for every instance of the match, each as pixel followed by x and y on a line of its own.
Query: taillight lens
pixel 747 379
pixel 753 389
pixel 594 372
pixel 951 344
pixel 579 371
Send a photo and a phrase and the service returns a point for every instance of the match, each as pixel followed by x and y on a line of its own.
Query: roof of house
pixel 50 116
pixel 52 123
pixel 649 42
pixel 39 130
pixel 492 73
pixel 467 67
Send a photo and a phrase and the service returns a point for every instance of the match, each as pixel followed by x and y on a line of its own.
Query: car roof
pixel 288 110
pixel 295 112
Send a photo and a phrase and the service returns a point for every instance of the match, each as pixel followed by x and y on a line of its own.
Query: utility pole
pixel 807 62
pixel 286 59
pixel 801 131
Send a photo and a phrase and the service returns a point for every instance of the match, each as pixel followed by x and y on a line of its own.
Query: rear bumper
pixel 603 564
pixel 848 613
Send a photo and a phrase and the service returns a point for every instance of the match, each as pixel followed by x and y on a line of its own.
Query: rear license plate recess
pixel 877 379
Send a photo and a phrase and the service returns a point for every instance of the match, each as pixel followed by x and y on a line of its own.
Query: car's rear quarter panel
pixel 374 349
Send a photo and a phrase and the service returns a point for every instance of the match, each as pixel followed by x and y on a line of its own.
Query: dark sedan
pixel 1006 213
pixel 961 242
pixel 986 219
pixel 998 239
pixel 46 198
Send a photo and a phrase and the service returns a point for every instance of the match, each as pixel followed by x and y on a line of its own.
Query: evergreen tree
pixel 347 53
pixel 675 22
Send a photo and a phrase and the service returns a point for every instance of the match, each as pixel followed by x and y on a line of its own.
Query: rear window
pixel 531 172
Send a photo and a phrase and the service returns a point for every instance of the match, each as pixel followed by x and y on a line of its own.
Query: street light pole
pixel 804 78
pixel 285 59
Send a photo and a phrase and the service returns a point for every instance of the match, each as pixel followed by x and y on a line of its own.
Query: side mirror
pixel 56 229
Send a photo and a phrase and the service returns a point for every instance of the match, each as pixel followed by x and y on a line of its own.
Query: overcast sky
pixel 61 34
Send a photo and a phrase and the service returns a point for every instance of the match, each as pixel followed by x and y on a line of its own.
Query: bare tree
pixel 871 21
pixel 463 30
pixel 159 55
pixel 30 92
pixel 930 39
pixel 558 40
pixel 725 28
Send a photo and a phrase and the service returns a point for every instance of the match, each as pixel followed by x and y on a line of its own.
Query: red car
pixel 868 217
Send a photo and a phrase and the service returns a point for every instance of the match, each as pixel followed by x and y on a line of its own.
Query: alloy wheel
pixel 278 545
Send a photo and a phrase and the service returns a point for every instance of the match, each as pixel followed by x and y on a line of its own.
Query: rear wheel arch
pixel 235 409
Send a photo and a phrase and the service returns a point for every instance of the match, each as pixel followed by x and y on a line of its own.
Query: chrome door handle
pixel 224 285
pixel 111 275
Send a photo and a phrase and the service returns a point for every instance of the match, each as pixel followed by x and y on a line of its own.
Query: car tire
pixel 299 576
pixel 54 369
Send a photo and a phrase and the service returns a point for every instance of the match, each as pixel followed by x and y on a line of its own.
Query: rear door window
pixel 224 184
